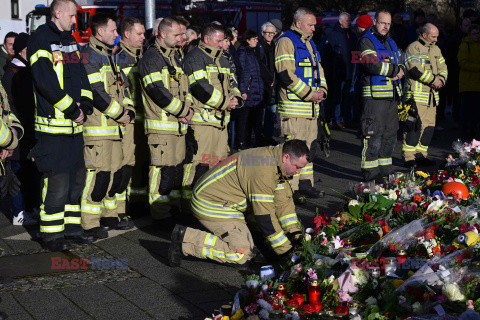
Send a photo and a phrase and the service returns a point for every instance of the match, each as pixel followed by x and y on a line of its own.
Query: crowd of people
pixel 130 120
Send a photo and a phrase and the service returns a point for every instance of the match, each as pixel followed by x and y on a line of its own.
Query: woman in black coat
pixel 251 87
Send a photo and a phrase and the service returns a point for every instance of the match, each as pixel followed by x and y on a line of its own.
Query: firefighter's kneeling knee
pixel 167 180
pixel 102 180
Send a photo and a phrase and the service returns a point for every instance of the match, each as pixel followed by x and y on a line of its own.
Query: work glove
pixel 9 183
pixel 296 238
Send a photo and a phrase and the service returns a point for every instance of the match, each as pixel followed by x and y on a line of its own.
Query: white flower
pixel 295 315
pixel 264 304
pixel 417 308
pixel 435 205
pixel 353 203
pixel 309 230
pixel 251 284
pixel 308 237
pixel 337 242
pixel 264 287
pixel 360 276
pixel 264 314
pixel 452 292
pixel 371 302
pixel 392 194
pixel 329 280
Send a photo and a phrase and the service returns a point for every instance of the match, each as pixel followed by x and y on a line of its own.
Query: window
pixel 15 9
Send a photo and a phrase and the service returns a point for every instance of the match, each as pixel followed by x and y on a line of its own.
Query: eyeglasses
pixel 272 33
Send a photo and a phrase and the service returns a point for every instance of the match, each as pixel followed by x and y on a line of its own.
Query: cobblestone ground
pixel 149 288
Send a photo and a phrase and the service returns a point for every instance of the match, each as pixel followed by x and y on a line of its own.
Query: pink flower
pixel 311 274
pixel 343 296
pixel 475 143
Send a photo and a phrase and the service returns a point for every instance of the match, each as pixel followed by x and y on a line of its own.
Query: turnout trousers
pixel 415 142
pixel 102 159
pixel 127 165
pixel 306 130
pixel 59 159
pixel 212 148
pixel 138 189
pixel 379 130
pixel 167 152
pixel 228 241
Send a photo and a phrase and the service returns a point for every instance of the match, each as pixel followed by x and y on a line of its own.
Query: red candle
pixel 314 291
pixel 401 257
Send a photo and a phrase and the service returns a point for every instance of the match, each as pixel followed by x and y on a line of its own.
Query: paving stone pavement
pixel 149 288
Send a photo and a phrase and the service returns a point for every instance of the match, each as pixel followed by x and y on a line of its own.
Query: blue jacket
pixel 250 79
pixel 338 47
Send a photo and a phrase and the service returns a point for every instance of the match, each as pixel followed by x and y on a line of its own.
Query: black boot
pixel 409 164
pixel 175 250
pixel 81 238
pixel 109 223
pixel 305 187
pixel 97 232
pixel 425 162
pixel 58 244
pixel 299 198
pixel 125 222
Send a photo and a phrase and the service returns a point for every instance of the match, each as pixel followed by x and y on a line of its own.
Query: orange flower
pixel 417 198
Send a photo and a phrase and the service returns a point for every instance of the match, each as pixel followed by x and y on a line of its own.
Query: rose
pixel 251 308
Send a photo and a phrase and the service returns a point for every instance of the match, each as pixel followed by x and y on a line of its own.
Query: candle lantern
pixel 314 291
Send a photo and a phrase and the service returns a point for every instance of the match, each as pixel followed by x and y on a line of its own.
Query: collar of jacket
pixel 424 42
pixel 305 38
pixel 134 52
pixel 279 154
pixel 101 47
pixel 211 51
pixel 167 52
pixel 382 38
pixel 19 61
pixel 53 26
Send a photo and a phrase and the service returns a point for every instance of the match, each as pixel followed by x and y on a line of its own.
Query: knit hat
pixel 20 42
pixel 364 21
pixel 278 24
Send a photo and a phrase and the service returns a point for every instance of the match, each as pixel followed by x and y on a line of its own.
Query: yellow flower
pixel 422 174
pixel 238 315
pixel 476 168
pixel 225 318
pixel 397 283
pixel 410 273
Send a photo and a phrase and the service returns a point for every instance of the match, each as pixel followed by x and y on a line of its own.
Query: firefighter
pixel 62 99
pixel 167 113
pixel 381 69
pixel 302 87
pixel 243 183
pixel 104 130
pixel 134 142
pixel 215 93
pixel 427 73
